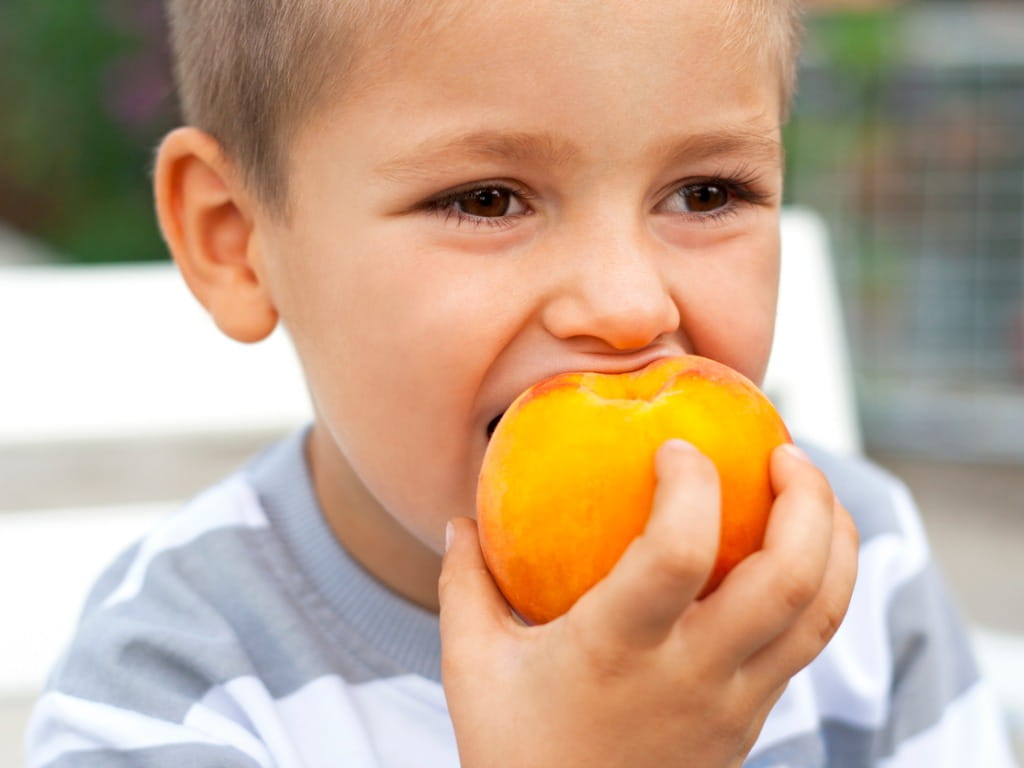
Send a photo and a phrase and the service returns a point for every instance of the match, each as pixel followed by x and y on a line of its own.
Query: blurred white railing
pixel 124 351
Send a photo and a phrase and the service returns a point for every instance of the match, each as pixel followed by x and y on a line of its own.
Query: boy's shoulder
pixel 162 609
pixel 898 683
pixel 236 622
pixel 878 501
pixel 243 580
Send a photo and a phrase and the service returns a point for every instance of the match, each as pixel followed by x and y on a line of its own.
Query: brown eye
pixel 704 198
pixel 486 202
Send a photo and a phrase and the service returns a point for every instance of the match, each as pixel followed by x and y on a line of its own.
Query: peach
pixel 568 478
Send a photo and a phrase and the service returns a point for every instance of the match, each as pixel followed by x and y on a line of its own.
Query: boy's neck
pixel 369 534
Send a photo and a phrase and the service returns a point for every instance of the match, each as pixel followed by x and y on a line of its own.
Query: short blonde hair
pixel 773 29
pixel 250 72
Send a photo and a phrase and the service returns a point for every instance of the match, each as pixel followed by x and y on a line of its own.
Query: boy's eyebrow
pixel 551 150
pixel 740 142
pixel 515 145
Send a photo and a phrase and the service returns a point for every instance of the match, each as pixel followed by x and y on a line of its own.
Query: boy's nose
pixel 615 293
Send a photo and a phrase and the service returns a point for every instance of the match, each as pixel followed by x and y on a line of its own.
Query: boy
pixel 444 203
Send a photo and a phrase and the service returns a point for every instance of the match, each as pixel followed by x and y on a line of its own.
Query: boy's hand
pixel 638 673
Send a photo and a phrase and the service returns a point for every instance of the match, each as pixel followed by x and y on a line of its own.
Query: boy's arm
pixel 145 680
pixel 133 690
pixel 78 729
pixel 72 733
pixel 639 673
pixel 938 711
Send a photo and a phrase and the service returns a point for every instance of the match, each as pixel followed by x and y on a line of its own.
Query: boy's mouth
pixel 493 424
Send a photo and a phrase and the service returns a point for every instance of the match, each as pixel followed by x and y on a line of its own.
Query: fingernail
pixel 796 452
pixel 680 446
pixel 449 535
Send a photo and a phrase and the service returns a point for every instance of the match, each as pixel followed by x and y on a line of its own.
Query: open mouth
pixel 493 424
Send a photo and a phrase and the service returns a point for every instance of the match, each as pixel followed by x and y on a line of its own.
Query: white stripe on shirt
pixel 62 724
pixel 232 503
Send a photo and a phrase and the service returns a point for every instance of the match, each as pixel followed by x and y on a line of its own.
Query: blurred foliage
pixel 835 131
pixel 859 43
pixel 828 123
pixel 85 95
pixel 914 158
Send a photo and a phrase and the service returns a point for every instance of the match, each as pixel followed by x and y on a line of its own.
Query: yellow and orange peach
pixel 568 478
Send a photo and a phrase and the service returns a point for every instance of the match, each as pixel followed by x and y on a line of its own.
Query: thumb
pixel 472 607
pixel 662 570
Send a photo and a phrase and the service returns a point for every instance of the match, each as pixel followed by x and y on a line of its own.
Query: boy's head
pixel 250 73
pixel 446 202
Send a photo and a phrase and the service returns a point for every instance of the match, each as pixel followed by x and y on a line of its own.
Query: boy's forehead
pixel 429 35
pixel 748 29
pixel 745 17
pixel 459 78
pixel 262 77
pixel 553 150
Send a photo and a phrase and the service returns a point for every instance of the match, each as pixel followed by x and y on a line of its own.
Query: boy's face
pixel 536 188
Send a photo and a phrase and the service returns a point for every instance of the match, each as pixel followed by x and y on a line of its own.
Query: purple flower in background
pixel 137 83
pixel 136 91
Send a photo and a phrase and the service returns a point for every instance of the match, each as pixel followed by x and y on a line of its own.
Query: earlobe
pixel 207 220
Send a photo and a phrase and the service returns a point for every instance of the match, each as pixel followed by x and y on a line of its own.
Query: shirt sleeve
pixel 942 712
pixel 132 688
pixel 69 732
pixel 898 686
pixel 135 697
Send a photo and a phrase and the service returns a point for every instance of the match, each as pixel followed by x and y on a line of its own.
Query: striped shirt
pixel 239 634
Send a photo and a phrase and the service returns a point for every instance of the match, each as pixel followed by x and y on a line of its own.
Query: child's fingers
pixel 664 568
pixel 803 641
pixel 767 704
pixel 766 593
pixel 472 607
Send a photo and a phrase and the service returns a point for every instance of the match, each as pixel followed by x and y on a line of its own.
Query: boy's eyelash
pixel 445 205
pixel 743 188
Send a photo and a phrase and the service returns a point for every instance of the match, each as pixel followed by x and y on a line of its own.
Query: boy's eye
pixel 489 203
pixel 703 198
pixel 485 202
pixel 712 198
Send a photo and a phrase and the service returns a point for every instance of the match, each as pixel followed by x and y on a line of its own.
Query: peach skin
pixel 568 478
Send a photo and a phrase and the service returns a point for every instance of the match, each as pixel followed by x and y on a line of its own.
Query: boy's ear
pixel 207 220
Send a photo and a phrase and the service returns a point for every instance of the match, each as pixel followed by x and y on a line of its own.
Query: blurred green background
pixel 85 93
pixel 907 135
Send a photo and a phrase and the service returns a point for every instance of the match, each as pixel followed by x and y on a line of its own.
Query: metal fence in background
pixel 918 165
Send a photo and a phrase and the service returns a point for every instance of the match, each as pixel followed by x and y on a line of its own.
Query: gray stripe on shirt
pixel 933 666
pixel 805 751
pixel 933 662
pixel 191 628
pixel 169 756
pixel 866 491
pixel 111 577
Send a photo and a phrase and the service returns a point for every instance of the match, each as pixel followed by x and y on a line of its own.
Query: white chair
pixel 809 376
pixel 124 351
